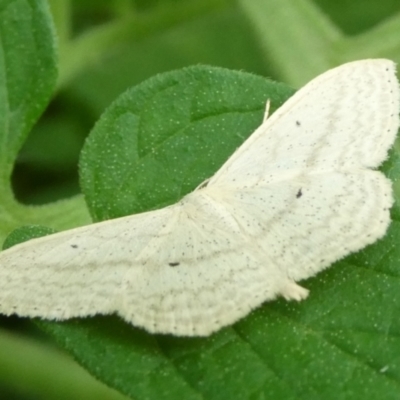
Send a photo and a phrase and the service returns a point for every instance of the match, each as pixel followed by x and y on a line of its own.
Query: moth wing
pixel 78 272
pixel 347 117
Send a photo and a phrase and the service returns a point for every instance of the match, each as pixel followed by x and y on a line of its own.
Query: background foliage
pixel 341 344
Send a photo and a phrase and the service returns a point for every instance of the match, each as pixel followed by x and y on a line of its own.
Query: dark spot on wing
pixel 74 246
pixel 203 184
pixel 299 194
pixel 298 123
pixel 173 264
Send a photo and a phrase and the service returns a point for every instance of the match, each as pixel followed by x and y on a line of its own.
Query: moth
pixel 300 193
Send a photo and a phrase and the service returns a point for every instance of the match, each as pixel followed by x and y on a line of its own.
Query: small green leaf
pixel 27 73
pixel 26 233
pixel 28 69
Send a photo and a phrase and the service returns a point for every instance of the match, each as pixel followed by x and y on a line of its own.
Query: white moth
pixel 298 195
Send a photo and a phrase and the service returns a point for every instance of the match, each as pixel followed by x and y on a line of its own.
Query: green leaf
pixel 27 73
pixel 26 233
pixel 28 70
pixel 157 142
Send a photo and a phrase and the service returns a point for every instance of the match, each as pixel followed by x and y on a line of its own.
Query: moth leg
pixel 293 291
